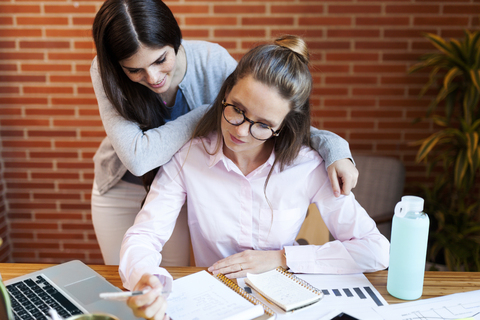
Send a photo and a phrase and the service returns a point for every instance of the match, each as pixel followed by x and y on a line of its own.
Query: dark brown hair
pixel 120 28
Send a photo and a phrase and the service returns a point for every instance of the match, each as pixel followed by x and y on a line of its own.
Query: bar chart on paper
pixel 459 306
pixel 341 292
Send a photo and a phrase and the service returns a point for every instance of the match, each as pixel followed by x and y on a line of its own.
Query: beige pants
pixel 115 211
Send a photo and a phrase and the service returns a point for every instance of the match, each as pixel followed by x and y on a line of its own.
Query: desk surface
pixel 436 283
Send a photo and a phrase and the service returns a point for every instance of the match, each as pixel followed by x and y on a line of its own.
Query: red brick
pixel 70 56
pixel 353 33
pixel 326 45
pixel 296 9
pixel 82 21
pixel 52 133
pixel 23 122
pixel 7 45
pixel 382 91
pixel 14 33
pixel 381 45
pixel 87 33
pixel 26 144
pixel 21 56
pixel 461 9
pixel 380 68
pixel 74 101
pixel 240 33
pixel 325 21
pixel 237 9
pixel 349 103
pixel 76 144
pixel 304 33
pixel 440 21
pixel 350 80
pixel 382 21
pixel 337 56
pixel 8 67
pixel 195 33
pixel 329 91
pixel 267 21
pixel 354 9
pixel 70 235
pixel 27 165
pixel 407 33
pixel 75 165
pixel 49 112
pixel 48 90
pixel 186 9
pixel 6 21
pixel 47 67
pixel 9 9
pixel 44 45
pixel 9 90
pixel 41 21
pixel 74 9
pixel 413 9
pixel 214 21
pixel 53 154
pixel 71 79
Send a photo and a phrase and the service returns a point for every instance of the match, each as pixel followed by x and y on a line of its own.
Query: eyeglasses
pixel 236 117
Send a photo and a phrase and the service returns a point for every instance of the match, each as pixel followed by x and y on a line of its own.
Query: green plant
pixel 453 201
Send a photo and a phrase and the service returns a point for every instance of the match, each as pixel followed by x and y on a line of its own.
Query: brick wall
pixel 49 122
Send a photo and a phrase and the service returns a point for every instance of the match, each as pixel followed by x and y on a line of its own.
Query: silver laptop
pixel 79 285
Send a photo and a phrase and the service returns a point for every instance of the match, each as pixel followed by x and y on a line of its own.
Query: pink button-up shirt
pixel 229 212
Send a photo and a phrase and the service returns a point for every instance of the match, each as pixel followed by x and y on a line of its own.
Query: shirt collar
pixel 215 158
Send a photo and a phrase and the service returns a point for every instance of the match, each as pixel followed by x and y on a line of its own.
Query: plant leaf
pixel 428 144
pixel 461 165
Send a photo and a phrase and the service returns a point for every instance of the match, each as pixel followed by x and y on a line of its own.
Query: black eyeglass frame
pixel 274 133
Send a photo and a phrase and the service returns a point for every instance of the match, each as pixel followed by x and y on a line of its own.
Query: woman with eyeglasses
pixel 152 87
pixel 248 176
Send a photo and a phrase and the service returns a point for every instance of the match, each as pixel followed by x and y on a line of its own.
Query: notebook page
pixel 282 290
pixel 200 296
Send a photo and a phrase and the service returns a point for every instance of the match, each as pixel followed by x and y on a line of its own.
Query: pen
pixel 125 294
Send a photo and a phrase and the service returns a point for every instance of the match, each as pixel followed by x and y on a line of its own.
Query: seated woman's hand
pixel 343 176
pixel 252 261
pixel 151 305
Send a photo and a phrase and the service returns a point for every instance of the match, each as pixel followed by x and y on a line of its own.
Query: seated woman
pixel 248 177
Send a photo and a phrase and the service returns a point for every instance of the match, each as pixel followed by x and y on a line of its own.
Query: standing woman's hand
pixel 252 261
pixel 343 176
pixel 151 305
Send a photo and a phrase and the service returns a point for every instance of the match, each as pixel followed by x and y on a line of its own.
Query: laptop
pixel 71 288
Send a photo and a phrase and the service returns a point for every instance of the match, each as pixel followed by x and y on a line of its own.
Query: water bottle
pixel 408 249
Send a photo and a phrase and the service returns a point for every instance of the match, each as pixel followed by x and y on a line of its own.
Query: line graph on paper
pixel 459 306
pixel 452 312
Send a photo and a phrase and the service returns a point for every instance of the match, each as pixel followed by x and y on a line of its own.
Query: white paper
pixel 283 290
pixel 465 305
pixel 360 304
pixel 200 296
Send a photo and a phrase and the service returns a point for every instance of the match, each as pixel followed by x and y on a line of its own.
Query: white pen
pixel 125 294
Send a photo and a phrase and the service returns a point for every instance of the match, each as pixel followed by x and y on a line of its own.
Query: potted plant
pixel 453 152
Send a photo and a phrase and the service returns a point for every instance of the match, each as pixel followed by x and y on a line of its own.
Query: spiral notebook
pixel 202 296
pixel 284 289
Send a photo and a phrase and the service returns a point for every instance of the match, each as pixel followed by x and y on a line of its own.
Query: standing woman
pixel 152 87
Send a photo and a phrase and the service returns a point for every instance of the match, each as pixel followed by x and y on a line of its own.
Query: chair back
pixel 380 186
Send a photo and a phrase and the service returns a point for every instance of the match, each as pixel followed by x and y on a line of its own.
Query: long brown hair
pixel 284 66
pixel 119 29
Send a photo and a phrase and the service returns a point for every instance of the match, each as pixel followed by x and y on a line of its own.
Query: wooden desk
pixel 436 283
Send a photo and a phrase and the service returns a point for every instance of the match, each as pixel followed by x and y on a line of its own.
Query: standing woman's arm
pixel 141 151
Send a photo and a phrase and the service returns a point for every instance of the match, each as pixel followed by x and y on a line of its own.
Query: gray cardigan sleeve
pixel 330 146
pixel 140 151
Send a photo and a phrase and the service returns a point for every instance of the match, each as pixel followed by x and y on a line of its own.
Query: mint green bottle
pixel 408 249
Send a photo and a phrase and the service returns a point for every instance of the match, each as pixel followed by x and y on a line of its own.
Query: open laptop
pixel 79 285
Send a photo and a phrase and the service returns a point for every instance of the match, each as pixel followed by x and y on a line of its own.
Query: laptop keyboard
pixel 32 298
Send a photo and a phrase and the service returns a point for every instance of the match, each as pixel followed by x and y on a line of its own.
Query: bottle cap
pixel 409 203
